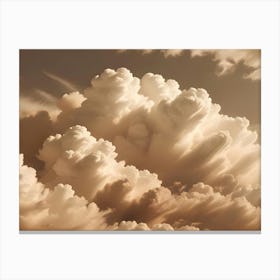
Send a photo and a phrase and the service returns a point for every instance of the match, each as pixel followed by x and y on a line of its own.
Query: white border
pixel 153 24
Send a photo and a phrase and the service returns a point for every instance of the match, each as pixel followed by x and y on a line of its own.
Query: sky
pixel 46 69
pixel 140 139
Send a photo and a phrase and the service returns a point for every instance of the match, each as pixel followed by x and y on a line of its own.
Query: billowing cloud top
pixel 143 154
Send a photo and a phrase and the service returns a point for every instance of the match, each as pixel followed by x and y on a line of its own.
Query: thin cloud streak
pixel 68 85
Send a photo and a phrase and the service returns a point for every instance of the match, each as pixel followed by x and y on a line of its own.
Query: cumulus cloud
pixel 70 101
pixel 57 209
pixel 130 225
pixel 42 208
pixel 149 156
pixel 88 164
pixel 157 209
pixel 228 59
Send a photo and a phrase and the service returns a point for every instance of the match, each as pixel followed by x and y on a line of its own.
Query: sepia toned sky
pixel 236 95
pixel 140 140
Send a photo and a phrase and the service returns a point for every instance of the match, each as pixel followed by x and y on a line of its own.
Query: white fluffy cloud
pixel 57 209
pixel 70 101
pixel 178 134
pixel 88 164
pixel 149 156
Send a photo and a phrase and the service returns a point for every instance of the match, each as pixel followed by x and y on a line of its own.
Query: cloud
pixel 37 117
pixel 57 209
pixel 88 164
pixel 157 209
pixel 201 205
pixel 30 107
pixel 31 191
pixel 130 225
pixel 42 208
pixel 227 61
pixel 70 101
pixel 147 51
pixel 150 156
pixel 134 226
pixel 68 85
pixel 156 88
pixel 212 210
pixel 172 52
pixel 45 96
pixel 166 52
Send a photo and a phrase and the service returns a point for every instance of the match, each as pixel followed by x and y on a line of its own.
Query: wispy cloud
pixel 227 61
pixel 67 84
pixel 45 97
pixel 30 107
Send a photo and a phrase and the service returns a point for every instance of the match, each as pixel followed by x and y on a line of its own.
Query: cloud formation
pixel 88 164
pixel 227 61
pixel 29 107
pixel 166 53
pixel 143 154
pixel 57 209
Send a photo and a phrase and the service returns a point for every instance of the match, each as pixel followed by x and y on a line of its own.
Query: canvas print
pixel 140 140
